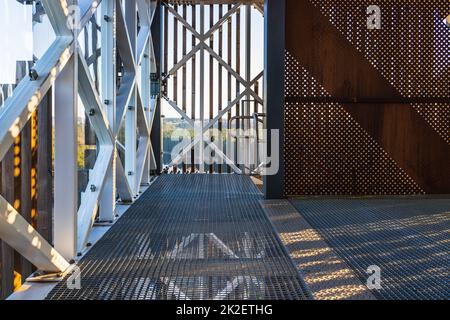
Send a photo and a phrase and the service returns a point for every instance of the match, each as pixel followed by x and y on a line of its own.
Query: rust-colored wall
pixel 403 121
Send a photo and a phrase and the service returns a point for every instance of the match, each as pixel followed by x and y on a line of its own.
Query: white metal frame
pixel 64 69
pixel 248 83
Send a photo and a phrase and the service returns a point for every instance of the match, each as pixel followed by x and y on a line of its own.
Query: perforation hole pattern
pixel 438 116
pixel 411 50
pixel 328 153
pixel 299 83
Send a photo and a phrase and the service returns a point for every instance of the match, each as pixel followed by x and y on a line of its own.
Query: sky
pixel 16 35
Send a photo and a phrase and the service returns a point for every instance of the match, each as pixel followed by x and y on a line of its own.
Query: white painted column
pixel 108 94
pixel 202 94
pixel 131 113
pixel 145 96
pixel 66 169
pixel 246 105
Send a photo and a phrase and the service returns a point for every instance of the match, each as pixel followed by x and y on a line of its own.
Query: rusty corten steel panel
pixel 367 111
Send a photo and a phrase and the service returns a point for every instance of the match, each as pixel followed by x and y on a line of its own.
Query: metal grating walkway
pixel 190 237
pixel 407 238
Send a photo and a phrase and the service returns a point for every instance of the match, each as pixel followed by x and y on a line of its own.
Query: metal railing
pixel 64 73
pixel 247 140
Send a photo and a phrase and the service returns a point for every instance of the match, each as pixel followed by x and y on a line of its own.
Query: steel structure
pixel 215 113
pixel 358 111
pixel 122 100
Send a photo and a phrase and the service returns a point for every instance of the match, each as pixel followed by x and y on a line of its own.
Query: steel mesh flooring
pixel 325 273
pixel 407 238
pixel 190 237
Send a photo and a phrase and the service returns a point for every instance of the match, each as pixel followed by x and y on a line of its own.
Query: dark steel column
pixel 157 36
pixel 274 50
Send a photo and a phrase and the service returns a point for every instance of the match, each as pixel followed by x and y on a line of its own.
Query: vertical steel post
pixel 193 84
pixel 131 113
pixel 108 94
pixel 157 36
pixel 229 83
pixel 145 96
pixel 220 84
pixel 66 169
pixel 175 60
pixel 202 93
pixel 211 83
pixel 238 144
pixel 246 105
pixel 274 58
pixel 184 74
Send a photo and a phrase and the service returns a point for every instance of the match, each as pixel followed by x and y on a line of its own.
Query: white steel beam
pixel 98 175
pixel 185 23
pixel 211 123
pixel 124 41
pixel 131 110
pixel 144 12
pixel 225 65
pixel 57 13
pixel 71 73
pixel 201 148
pixel 66 168
pixel 21 236
pixel 142 43
pixel 144 94
pixel 87 9
pixel 108 94
pixel 123 187
pixel 185 59
pixel 130 141
pixel 246 105
pixel 223 20
pixel 143 138
pixel 123 99
pixel 28 94
pixel 71 78
pixel 183 114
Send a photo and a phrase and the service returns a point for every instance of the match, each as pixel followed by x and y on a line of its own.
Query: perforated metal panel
pixel 438 116
pixel 299 83
pixel 411 50
pixel 327 151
